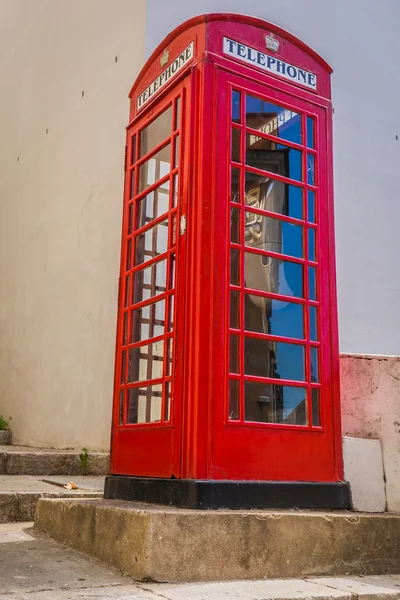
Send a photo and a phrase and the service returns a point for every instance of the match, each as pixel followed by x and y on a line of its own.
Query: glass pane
pixel 268 194
pixel 313 324
pixel 157 131
pixel 273 317
pixel 268 403
pixel 235 106
pixel 175 191
pixel 235 144
pixel 275 158
pixel 171 314
pixel 127 290
pixel 132 183
pixel 128 254
pixel 169 358
pixel 273 275
pixel 316 418
pixel 167 405
pixel 133 150
pixel 121 408
pixel 146 362
pixel 235 183
pixel 155 168
pixel 273 119
pixel 314 365
pixel 311 206
pixel 144 404
pixel 176 151
pixel 153 205
pixel 235 310
pixel 130 219
pixel 171 279
pixel 235 226
pixel 177 113
pixel 265 358
pixel 310 132
pixel 150 281
pixel 311 245
pixel 148 322
pixel 125 333
pixel 273 235
pixel 235 267
pixel 312 283
pixel 310 169
pixel 234 399
pixel 123 365
pixel 151 243
pixel 234 354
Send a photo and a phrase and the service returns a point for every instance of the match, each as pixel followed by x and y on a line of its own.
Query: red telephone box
pixel 227 374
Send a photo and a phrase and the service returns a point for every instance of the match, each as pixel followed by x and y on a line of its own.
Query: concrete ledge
pixel 21 506
pixel 165 544
pixel 45 462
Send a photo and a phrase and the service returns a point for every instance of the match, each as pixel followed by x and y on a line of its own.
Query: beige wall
pixel 61 181
pixel 370 390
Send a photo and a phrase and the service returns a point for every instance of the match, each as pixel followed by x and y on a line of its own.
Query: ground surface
pixel 35 567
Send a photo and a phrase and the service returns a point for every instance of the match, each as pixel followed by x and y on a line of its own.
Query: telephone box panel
pixel 226 382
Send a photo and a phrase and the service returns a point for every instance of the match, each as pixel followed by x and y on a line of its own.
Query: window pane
pixel 316 418
pixel 167 405
pixel 235 226
pixel 311 206
pixel 177 113
pixel 273 317
pixel 234 399
pixel 313 324
pixel 268 194
pixel 155 168
pixel 235 106
pixel 273 235
pixel 153 205
pixel 235 144
pixel 310 169
pixel 157 131
pixel 146 362
pixel 150 281
pixel 268 403
pixel 151 243
pixel 272 157
pixel 235 183
pixel 265 358
pixel 312 283
pixel 310 132
pixel 235 310
pixel 133 149
pixel 176 151
pixel 148 322
pixel 272 119
pixel 273 275
pixel 144 404
pixel 234 354
pixel 235 267
pixel 314 365
pixel 311 245
pixel 121 408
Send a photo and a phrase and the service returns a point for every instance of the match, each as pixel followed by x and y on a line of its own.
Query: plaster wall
pixel 370 391
pixel 360 41
pixel 66 69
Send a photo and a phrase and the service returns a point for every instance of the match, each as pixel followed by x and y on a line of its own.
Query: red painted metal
pixel 199 440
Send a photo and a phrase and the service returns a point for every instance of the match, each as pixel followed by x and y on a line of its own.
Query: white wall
pixel 359 38
pixel 61 182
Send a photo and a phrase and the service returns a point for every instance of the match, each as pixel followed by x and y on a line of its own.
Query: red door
pixel 274 396
pixel 147 411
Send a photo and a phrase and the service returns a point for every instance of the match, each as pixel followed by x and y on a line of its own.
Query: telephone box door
pixel 274 398
pixel 147 411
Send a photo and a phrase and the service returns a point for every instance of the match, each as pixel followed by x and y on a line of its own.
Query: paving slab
pixel 365 588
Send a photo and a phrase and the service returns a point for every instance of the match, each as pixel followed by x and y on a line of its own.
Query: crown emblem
pixel 272 42
pixel 164 58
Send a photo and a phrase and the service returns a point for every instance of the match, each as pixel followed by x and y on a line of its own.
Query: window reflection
pixel 155 168
pixel 157 131
pixel 273 119
pixel 144 404
pixel 277 360
pixel 274 317
pixel 269 403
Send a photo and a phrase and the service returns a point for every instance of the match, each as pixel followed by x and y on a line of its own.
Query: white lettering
pixel 269 63
pixel 177 65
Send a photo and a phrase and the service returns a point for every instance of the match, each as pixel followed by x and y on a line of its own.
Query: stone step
pixel 19 495
pixel 20 460
pixel 157 543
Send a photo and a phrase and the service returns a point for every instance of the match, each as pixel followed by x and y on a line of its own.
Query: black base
pixel 204 494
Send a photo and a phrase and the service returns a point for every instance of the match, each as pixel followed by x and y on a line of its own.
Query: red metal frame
pixel 200 441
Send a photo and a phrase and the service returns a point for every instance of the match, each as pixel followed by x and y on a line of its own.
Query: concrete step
pixel 19 495
pixel 156 543
pixel 20 460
